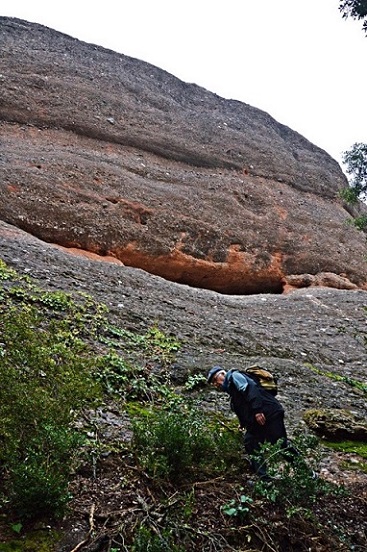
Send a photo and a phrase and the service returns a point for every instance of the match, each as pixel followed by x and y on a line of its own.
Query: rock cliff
pixel 105 162
pixel 112 156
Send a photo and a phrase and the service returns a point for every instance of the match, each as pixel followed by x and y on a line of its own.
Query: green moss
pixel 38 541
pixel 337 377
pixel 351 447
pixel 346 465
pixel 354 447
pixel 137 409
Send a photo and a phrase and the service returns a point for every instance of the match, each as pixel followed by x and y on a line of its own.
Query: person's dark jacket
pixel 248 398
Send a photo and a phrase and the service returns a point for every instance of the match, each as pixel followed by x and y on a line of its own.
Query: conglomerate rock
pixel 336 424
pixel 116 157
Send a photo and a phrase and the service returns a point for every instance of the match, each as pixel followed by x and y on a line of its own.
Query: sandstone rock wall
pixel 111 155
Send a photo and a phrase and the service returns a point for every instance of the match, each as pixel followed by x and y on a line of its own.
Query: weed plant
pixel 154 345
pixel 179 442
pixel 130 381
pixel 146 540
pixel 46 378
pixel 49 371
pixel 294 483
pixel 238 507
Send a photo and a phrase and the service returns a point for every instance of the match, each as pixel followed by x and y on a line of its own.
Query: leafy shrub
pixel 178 442
pixel 131 381
pixel 137 379
pixel 161 346
pixel 294 483
pixel 43 475
pixel 349 195
pixel 195 381
pixel 146 540
pixel 6 273
pixel 154 345
pixel 360 222
pixel 45 378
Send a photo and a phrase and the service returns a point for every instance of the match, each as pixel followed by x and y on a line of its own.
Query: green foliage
pixel 57 300
pixel 6 273
pixel 360 222
pixel 36 541
pixel 353 447
pixel 49 372
pixel 177 443
pixel 193 382
pixel 356 163
pixel 83 317
pixel 45 378
pixel 39 356
pixel 140 379
pixel 146 540
pixel 160 346
pixel 114 374
pixel 349 195
pixel 355 160
pixel 337 377
pixel 154 344
pixel 17 528
pixel 294 484
pixel 130 382
pixel 42 476
pixel 349 465
pixel 238 507
pixel 357 9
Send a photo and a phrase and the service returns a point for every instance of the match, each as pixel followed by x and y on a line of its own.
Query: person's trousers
pixel 272 432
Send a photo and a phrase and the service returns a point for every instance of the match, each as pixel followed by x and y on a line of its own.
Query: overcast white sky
pixel 298 60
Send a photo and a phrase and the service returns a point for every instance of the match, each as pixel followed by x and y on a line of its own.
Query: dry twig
pixel 89 534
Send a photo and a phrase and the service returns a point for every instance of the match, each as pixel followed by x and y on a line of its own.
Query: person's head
pixel 216 376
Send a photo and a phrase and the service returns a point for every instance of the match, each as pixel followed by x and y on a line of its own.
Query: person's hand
pixel 260 418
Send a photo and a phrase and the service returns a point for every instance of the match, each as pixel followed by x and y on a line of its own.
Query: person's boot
pixel 260 470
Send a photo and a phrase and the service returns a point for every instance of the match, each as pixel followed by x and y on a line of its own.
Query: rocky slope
pixel 304 337
pixel 107 161
pixel 322 327
pixel 111 155
pixel 175 207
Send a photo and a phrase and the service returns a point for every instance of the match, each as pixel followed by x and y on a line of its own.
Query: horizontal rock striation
pixel 113 156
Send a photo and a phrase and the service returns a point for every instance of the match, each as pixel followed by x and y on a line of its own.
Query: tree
pixel 357 9
pixel 355 160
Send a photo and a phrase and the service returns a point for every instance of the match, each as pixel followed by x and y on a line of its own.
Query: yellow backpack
pixel 262 377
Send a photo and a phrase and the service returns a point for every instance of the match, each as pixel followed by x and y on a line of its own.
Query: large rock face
pixel 113 156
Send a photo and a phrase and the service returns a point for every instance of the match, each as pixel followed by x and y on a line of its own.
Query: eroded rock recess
pixel 111 156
